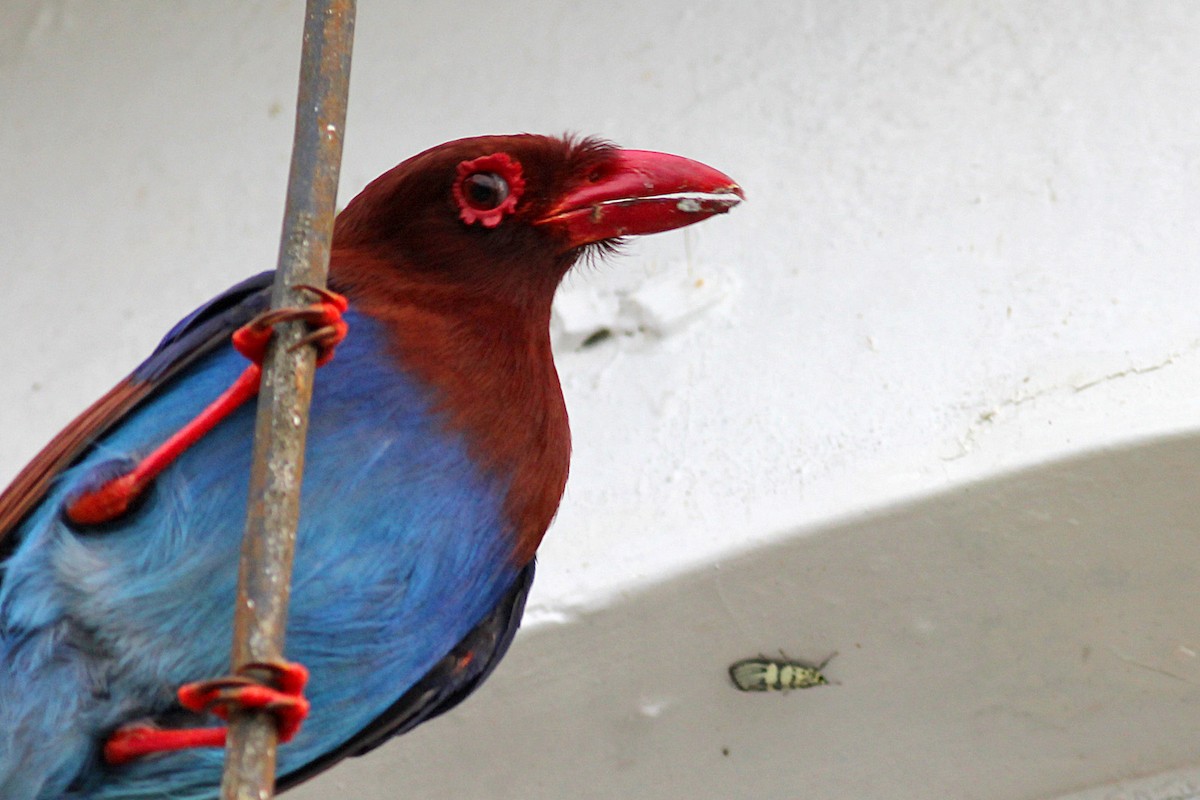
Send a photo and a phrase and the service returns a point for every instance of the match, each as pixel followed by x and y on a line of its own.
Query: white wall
pixel 970 242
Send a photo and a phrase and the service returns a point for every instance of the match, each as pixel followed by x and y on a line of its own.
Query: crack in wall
pixel 988 417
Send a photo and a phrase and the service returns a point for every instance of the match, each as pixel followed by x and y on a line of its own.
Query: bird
pixel 438 451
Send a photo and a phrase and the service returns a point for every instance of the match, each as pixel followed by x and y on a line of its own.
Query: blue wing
pixel 196 335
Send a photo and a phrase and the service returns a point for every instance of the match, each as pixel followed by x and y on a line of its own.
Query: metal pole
pixel 266 565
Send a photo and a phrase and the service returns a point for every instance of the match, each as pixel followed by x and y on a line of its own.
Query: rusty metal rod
pixel 264 578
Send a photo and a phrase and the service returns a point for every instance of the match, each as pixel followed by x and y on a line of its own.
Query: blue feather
pixel 403 546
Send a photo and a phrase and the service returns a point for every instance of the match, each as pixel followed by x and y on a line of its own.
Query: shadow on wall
pixel 1016 638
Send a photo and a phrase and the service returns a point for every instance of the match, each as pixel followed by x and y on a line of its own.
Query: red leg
pixel 135 741
pixel 113 498
pixel 285 700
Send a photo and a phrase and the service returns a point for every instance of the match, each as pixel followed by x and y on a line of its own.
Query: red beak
pixel 644 192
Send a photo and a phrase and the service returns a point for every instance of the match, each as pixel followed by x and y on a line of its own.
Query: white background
pixel 970 246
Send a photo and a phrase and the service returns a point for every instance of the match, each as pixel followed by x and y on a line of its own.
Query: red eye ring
pixel 487 188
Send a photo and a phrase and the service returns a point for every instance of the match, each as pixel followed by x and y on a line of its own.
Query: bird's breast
pixel 491 381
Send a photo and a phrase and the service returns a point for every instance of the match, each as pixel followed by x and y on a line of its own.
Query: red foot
pixel 114 498
pixel 324 316
pixel 235 692
pixel 221 697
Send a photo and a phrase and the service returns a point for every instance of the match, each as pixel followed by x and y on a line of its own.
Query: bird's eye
pixel 487 188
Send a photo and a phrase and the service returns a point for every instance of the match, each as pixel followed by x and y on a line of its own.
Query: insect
pixel 764 674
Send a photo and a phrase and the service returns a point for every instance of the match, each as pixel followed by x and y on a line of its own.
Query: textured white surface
pixel 970 246
pixel 1180 785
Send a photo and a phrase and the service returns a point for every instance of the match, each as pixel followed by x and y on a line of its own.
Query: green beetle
pixel 764 674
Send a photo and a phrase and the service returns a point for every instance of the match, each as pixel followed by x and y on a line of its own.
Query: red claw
pixel 222 696
pixel 324 316
pixel 285 699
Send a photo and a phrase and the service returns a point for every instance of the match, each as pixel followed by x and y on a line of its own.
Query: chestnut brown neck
pixel 489 364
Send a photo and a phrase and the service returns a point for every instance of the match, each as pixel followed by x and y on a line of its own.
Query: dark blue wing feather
pixel 206 327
